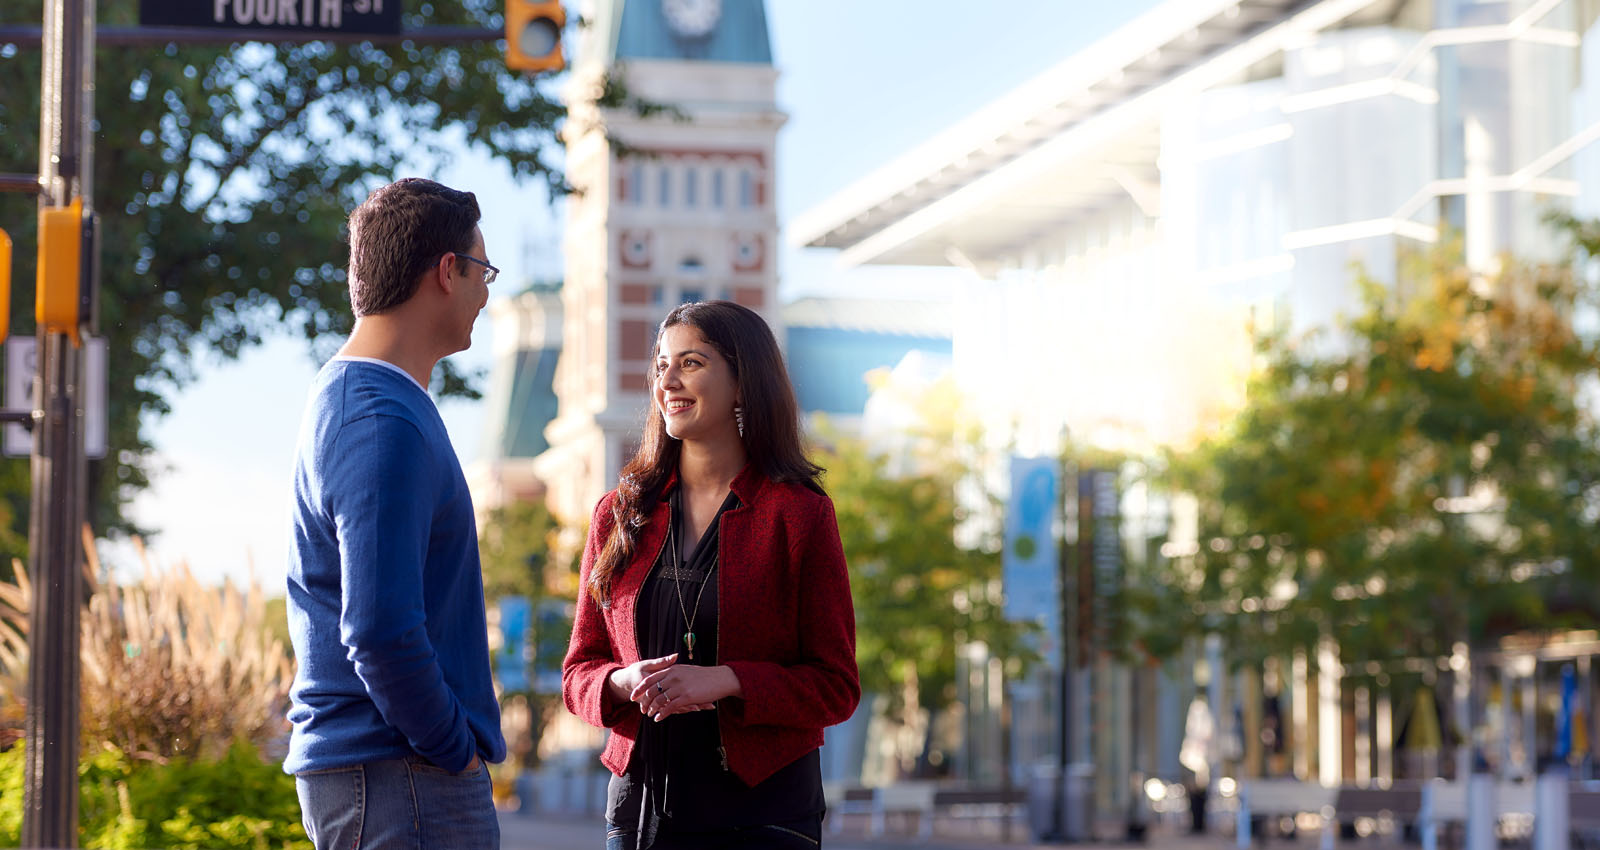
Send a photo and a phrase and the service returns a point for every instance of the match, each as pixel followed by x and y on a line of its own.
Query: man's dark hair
pixel 398 232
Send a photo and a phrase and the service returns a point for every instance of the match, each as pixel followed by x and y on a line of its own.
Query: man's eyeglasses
pixel 489 272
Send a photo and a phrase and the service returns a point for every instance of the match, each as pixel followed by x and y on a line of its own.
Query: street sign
pixel 93 396
pixel 373 17
pixel 22 365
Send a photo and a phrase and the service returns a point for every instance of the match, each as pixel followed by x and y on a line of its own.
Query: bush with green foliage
pixel 235 801
pixel 918 532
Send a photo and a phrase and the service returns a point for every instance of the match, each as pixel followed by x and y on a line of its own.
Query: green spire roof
pixel 532 404
pixel 638 29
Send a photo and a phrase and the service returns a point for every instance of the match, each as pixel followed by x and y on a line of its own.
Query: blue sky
pixel 862 81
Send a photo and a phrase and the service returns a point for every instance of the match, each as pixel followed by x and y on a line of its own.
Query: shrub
pixel 236 801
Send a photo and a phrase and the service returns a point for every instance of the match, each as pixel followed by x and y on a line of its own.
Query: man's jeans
pixel 398 803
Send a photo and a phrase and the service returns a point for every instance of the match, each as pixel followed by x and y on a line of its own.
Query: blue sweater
pixel 385 591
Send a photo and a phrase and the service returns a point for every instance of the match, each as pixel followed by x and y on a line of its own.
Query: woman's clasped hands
pixel 661 687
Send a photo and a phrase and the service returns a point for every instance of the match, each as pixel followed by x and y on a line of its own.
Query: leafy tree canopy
pixel 223 175
pixel 518 549
pixel 924 563
pixel 1430 475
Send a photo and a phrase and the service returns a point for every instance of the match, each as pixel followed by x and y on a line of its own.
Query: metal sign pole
pixel 50 793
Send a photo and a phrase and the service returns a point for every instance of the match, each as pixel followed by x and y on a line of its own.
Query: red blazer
pixel 785 624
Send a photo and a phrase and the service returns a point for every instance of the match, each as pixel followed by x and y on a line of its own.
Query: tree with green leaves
pixel 516 548
pixel 223 174
pixel 520 551
pixel 1428 476
pixel 924 572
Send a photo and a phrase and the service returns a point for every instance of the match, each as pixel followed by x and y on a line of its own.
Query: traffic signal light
pixel 533 35
pixel 5 284
pixel 60 281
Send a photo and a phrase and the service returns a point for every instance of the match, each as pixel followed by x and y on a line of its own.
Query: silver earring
pixel 738 419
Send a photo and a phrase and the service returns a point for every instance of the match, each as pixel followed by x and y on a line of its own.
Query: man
pixel 393 706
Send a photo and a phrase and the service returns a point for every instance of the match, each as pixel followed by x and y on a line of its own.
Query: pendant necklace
pixel 677 586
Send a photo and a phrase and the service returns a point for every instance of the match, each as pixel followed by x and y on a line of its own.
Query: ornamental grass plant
pixel 172 667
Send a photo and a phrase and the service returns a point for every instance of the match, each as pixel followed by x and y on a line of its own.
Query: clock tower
pixel 668 208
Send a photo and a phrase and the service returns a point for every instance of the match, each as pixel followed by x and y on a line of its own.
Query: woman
pixel 715 636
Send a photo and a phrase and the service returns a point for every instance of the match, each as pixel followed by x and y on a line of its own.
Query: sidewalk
pixel 521 832
pixel 1161 841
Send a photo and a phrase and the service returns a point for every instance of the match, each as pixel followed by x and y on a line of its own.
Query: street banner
pixel 511 659
pixel 1030 566
pixel 1564 716
pixel 1098 580
pixel 552 630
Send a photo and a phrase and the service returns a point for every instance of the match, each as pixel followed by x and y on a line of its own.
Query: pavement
pixel 525 832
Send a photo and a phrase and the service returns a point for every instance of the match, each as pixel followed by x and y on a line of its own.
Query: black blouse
pixel 677 780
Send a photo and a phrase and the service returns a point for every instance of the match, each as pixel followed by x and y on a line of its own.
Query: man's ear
pixel 443 274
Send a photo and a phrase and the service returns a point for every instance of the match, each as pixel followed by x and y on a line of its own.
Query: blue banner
pixel 1569 706
pixel 552 630
pixel 1031 562
pixel 511 660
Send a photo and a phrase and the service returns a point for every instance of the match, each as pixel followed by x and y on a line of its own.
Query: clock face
pixel 692 18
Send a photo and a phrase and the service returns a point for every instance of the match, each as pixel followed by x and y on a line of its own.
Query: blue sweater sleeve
pixel 383 510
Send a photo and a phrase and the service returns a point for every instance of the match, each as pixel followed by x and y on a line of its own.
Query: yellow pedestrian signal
pixel 5 284
pixel 60 281
pixel 533 35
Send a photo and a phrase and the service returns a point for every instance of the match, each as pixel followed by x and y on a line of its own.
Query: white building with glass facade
pixel 1214 164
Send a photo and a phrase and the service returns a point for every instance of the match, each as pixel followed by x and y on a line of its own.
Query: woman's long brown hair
pixel 771 428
